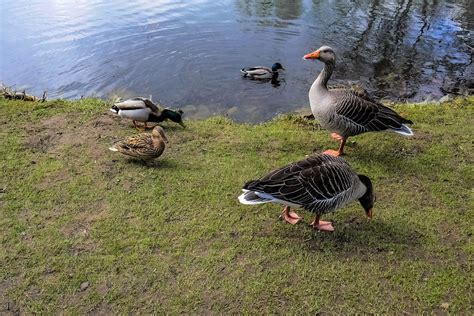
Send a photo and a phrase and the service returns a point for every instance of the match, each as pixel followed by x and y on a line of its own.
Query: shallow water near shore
pixel 188 54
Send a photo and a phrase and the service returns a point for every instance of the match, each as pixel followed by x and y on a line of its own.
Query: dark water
pixel 188 53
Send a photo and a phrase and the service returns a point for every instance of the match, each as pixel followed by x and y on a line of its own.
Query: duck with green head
pixel 260 72
pixel 144 110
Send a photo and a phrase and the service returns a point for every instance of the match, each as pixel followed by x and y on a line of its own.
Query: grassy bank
pixel 86 230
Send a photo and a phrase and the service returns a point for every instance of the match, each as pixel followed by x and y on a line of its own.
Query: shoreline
pixel 88 230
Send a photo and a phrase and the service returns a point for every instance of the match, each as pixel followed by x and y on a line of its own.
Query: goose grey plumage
pixel 320 183
pixel 346 113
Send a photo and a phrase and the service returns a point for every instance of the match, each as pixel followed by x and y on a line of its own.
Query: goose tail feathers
pixel 251 198
pixel 404 130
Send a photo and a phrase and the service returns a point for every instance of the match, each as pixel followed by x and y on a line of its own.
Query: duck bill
pixel 313 55
pixel 369 213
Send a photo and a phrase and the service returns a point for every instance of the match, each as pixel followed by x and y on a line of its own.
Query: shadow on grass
pixel 361 236
pixel 158 163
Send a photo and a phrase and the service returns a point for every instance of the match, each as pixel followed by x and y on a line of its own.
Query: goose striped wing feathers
pixel 361 115
pixel 314 183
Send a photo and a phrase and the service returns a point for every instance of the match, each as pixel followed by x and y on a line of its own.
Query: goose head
pixel 277 66
pixel 325 54
pixel 368 199
pixel 159 132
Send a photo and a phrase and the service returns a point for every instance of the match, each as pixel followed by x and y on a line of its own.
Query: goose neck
pixel 325 74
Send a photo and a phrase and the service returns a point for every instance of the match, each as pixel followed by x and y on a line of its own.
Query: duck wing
pixel 137 104
pixel 257 72
pixel 359 115
pixel 318 183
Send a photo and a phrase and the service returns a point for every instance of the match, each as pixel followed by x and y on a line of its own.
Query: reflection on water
pixel 188 53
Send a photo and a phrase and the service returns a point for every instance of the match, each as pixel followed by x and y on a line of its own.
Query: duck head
pixel 175 116
pixel 368 199
pixel 277 66
pixel 325 54
pixel 158 131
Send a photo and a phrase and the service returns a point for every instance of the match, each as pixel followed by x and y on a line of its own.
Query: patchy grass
pixel 88 230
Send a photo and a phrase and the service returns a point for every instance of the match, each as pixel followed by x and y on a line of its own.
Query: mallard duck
pixel 347 113
pixel 144 110
pixel 260 72
pixel 143 146
pixel 320 184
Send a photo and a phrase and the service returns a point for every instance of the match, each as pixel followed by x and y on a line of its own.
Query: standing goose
pixel 345 113
pixel 143 146
pixel 144 110
pixel 320 184
pixel 260 72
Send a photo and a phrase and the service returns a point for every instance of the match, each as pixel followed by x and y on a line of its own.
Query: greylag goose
pixel 260 72
pixel 345 113
pixel 144 110
pixel 320 183
pixel 143 146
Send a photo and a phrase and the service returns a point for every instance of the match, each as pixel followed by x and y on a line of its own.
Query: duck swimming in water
pixel 260 72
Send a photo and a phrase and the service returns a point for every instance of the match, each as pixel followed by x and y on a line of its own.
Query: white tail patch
pixel 404 130
pixel 251 198
pixel 113 148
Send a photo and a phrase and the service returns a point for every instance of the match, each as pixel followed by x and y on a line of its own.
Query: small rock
pixel 446 98
pixel 444 305
pixel 84 286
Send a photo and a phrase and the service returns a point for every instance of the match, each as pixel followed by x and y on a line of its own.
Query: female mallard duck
pixel 144 110
pixel 260 72
pixel 143 146
pixel 346 113
pixel 320 184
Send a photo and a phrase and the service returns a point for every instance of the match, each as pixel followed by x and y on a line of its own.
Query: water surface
pixel 188 53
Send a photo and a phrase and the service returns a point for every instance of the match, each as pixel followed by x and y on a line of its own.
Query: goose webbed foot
pixel 290 216
pixel 340 151
pixel 332 152
pixel 321 225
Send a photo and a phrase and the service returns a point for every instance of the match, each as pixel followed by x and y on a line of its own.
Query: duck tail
pixel 251 198
pixel 244 72
pixel 404 130
pixel 114 109
pixel 113 148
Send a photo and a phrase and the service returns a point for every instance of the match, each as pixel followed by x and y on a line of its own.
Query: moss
pixel 171 236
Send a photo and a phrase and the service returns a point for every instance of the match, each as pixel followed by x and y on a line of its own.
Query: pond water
pixel 188 54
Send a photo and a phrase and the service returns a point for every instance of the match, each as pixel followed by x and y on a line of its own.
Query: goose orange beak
pixel 313 55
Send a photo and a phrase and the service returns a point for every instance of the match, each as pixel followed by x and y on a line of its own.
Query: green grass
pixel 171 237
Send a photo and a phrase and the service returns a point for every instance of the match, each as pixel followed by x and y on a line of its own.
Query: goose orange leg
pixel 321 225
pixel 340 151
pixel 290 216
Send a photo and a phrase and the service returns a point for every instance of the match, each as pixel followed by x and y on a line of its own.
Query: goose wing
pixel 316 183
pixel 361 115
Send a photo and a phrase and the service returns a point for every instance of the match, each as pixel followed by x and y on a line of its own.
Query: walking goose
pixel 144 110
pixel 143 146
pixel 345 113
pixel 260 72
pixel 320 184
